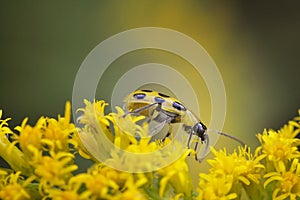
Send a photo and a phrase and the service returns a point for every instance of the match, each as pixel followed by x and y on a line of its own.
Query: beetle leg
pixel 140 109
pixel 196 148
pixel 159 126
pixel 190 136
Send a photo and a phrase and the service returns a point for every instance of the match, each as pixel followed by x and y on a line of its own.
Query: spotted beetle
pixel 170 110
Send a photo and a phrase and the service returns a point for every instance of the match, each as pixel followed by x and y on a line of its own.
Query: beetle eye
pixel 139 96
pixel 203 126
pixel 178 106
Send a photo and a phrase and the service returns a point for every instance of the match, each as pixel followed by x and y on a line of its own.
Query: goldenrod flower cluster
pixel 271 172
pixel 42 162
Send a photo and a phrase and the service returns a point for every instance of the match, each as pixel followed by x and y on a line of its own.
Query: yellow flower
pixel 12 188
pixel 94 117
pixel 296 124
pixel 126 128
pixel 70 192
pixel 53 170
pixel 279 147
pixel 177 174
pixel 3 125
pixel 215 187
pixel 45 154
pixel 64 195
pixel 93 111
pixel 90 137
pixel 124 132
pixel 100 186
pixel 47 132
pixel 233 171
pixel 243 166
pixel 79 146
pixel 143 146
pixel 130 194
pixel 298 119
pixel 102 182
pixel 10 153
pixel 58 133
pixel 3 173
pixel 30 136
pixel 289 131
pixel 287 182
pixel 132 136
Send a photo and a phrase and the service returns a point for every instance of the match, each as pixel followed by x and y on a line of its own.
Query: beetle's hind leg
pixel 141 109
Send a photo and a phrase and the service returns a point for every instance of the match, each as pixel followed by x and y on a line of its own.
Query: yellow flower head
pixel 30 136
pixel 64 195
pixel 4 129
pixel 279 147
pixel 287 182
pixel 12 188
pixel 130 194
pixel 71 190
pixel 54 169
pixel 212 187
pixel 131 145
pixel 58 133
pixel 10 153
pixel 177 174
pixel 96 126
pixel 290 131
pixel 47 134
pixel 126 128
pixel 46 151
pixel 93 111
pixel 102 182
pixel 130 134
pixel 138 160
pixel 242 165
pixel 297 119
pixel 94 117
pixel 133 137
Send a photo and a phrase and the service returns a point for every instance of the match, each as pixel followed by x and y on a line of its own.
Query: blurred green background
pixel 254 45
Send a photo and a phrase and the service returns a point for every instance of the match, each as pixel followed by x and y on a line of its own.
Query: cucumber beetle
pixel 165 109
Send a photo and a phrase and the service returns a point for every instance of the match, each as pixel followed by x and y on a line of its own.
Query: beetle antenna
pixel 229 136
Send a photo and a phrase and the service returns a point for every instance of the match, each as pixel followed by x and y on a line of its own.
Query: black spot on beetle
pixel 178 106
pixel 159 100
pixel 147 90
pixel 139 95
pixel 163 95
